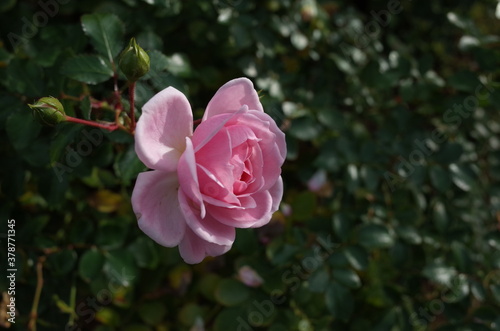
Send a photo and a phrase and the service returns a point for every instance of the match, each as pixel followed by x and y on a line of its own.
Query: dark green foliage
pixel 401 112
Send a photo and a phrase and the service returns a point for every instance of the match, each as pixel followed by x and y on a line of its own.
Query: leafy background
pixel 416 243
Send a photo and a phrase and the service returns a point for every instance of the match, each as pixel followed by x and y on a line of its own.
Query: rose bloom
pixel 204 184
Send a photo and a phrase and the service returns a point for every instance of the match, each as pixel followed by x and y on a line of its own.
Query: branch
pixel 38 292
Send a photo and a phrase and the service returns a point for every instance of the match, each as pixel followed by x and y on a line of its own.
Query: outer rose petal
pixel 232 96
pixel 193 249
pixel 160 136
pixel 277 194
pixel 207 228
pixel 155 203
pixel 245 218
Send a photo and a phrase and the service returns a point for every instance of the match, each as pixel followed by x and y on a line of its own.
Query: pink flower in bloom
pixel 206 183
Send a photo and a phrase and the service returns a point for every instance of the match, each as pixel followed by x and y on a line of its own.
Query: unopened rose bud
pixel 49 111
pixel 134 61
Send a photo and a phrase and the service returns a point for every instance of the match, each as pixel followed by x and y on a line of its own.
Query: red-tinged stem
pixel 131 94
pixel 118 106
pixel 106 126
pixel 197 122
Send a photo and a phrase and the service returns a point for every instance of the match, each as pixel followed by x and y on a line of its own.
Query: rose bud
pixel 49 111
pixel 134 61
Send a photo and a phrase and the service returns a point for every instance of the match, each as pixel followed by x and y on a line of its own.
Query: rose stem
pixel 109 127
pixel 131 93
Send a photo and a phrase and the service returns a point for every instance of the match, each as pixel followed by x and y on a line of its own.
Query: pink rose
pixel 206 183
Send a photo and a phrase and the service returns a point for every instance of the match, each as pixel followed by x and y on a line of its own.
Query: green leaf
pixel 178 65
pixel 231 319
pixel 152 313
pixel 461 177
pixel 464 81
pixel 65 134
pixel 22 129
pixel 149 40
pixel 120 267
pixel 62 262
pixel 108 316
pixel 91 264
pixel 208 285
pixel 493 240
pixel 80 231
pixel 304 128
pixel 190 313
pixel 128 165
pixel 409 233
pixel 449 153
pixel 111 235
pixel 440 178
pixel 459 289
pixel 496 324
pixel 37 153
pixel 230 292
pixel 341 225
pixel 439 273
pixel 370 177
pixel 318 281
pixel 477 290
pixel 339 301
pixel 357 257
pixel 89 69
pixel 106 32
pixel 347 277
pixel 158 63
pixel 495 291
pixel 25 77
pixel 440 216
pixel 352 178
pixel 375 236
pixel 145 253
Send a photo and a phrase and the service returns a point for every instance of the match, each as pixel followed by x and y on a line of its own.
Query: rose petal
pixel 248 217
pixel 155 202
pixel 206 228
pixel 240 134
pixel 160 136
pixel 215 157
pixel 272 148
pixel 188 178
pixel 193 249
pixel 232 96
pixel 216 250
pixel 269 125
pixel 276 194
pixel 208 129
pixel 210 186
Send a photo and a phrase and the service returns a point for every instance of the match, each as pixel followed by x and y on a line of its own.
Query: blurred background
pixel 391 213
